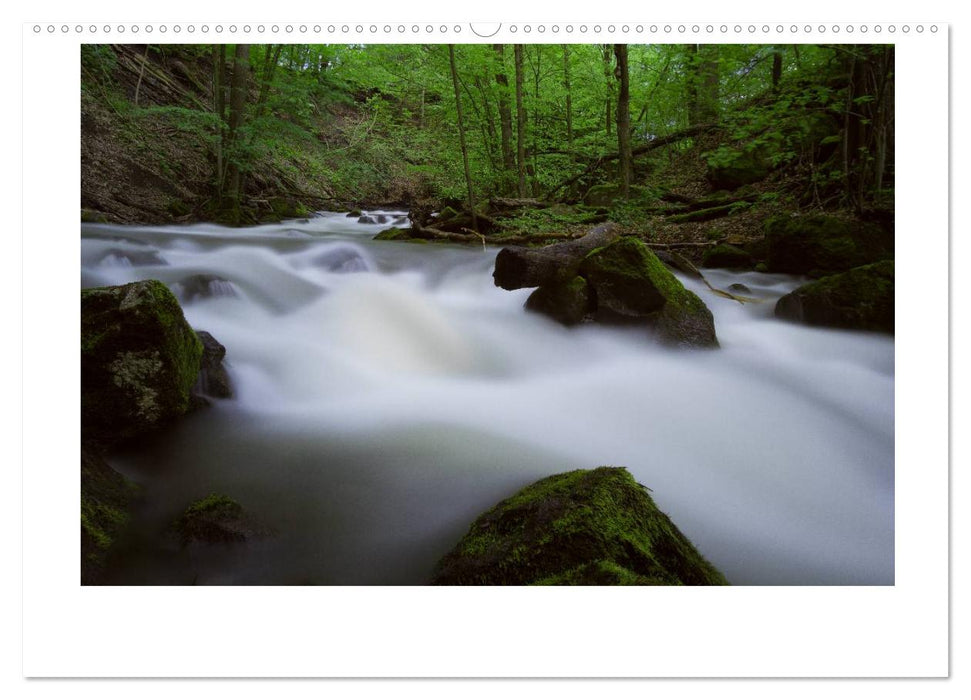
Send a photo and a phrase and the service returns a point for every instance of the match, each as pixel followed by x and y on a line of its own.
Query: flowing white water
pixel 388 393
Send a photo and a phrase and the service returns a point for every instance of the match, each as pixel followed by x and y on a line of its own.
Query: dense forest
pixel 677 258
pixel 247 132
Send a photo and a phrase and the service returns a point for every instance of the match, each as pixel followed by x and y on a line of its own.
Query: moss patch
pixel 861 299
pixel 106 499
pixel 139 359
pixel 823 244
pixel 586 527
pixel 216 519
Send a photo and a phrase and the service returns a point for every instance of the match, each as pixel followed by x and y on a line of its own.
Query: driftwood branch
pixel 518 267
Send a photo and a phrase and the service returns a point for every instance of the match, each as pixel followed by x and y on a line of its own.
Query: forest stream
pixel 388 393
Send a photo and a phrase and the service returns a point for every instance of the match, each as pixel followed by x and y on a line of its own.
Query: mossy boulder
pixel 727 256
pixel 566 302
pixel 217 519
pixel 139 360
pixel 821 244
pixel 731 169
pixel 394 234
pixel 629 281
pixel 861 299
pixel 106 500
pixel 287 208
pixel 585 527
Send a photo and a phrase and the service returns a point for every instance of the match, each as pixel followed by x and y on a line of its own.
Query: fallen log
pixel 518 267
pixel 640 150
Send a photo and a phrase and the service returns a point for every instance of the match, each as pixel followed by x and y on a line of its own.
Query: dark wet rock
pixel 628 280
pixel 213 378
pixel 727 256
pixel 366 219
pixel 739 288
pixel 217 519
pixel 566 302
pixel 203 287
pixel 859 299
pixel 106 501
pixel 822 244
pixel 381 219
pixel 139 360
pixel 353 213
pixel 585 527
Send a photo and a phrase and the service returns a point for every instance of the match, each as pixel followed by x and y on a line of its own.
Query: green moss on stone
pixel 861 299
pixel 629 280
pixel 725 255
pixel 106 499
pixel 823 244
pixel 139 359
pixel 588 527
pixel 567 302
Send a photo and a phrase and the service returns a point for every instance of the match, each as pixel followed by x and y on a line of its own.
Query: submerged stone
pixel 139 360
pixel 860 299
pixel 217 519
pixel 585 527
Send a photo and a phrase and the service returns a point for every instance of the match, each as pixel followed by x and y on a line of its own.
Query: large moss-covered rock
pixel 862 298
pixel 822 244
pixel 106 500
pixel 585 527
pixel 566 302
pixel 139 360
pixel 628 280
pixel 728 256
pixel 729 170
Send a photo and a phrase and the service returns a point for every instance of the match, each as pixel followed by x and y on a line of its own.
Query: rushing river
pixel 388 393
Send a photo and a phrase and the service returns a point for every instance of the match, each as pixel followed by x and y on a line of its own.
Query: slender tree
pixel 505 112
pixel 520 121
pixel 569 98
pixel 461 125
pixel 237 104
pixel 623 120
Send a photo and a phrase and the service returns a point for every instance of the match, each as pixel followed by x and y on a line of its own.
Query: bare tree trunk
pixel 520 121
pixel 703 78
pixel 237 103
pixel 219 108
pixel 505 112
pixel 465 151
pixel 776 68
pixel 623 120
pixel 269 68
pixel 569 99
pixel 609 76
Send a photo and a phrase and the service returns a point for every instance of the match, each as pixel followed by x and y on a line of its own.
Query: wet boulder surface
pixel 584 527
pixel 859 299
pixel 139 360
